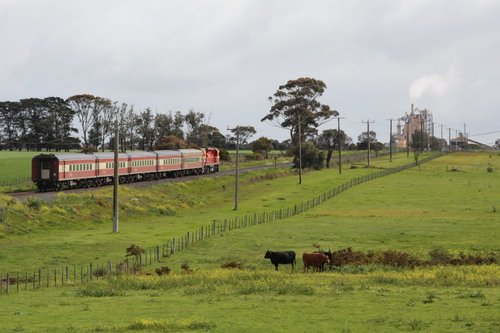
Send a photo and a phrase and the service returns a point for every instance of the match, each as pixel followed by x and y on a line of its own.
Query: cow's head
pixel 268 254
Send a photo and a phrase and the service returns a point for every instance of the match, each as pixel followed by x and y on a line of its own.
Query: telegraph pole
pixel 300 153
pixel 368 122
pixel 465 138
pixel 236 173
pixel 116 180
pixel 390 140
pixel 340 144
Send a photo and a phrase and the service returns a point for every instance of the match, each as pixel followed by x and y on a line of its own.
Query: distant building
pixel 410 123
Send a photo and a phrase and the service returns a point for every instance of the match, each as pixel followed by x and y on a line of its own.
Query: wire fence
pixel 16 182
pixel 73 275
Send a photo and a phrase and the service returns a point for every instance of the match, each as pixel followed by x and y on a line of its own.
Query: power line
pixel 484 133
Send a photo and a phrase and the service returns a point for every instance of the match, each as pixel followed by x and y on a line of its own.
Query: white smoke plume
pixel 433 84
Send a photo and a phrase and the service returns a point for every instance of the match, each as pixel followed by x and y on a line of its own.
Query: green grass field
pixel 413 211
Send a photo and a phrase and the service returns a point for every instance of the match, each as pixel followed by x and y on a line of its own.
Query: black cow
pixel 281 257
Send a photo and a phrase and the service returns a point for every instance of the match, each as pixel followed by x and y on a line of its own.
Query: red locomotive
pixel 64 171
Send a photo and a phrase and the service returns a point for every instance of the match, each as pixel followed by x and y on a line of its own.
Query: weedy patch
pixel 418 325
pixel 98 290
pixel 166 325
pixel 430 298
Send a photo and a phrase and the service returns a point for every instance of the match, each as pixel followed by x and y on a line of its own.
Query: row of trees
pixel 84 121
pixel 51 124
pixel 54 123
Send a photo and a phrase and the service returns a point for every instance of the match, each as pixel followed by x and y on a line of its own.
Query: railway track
pixel 49 196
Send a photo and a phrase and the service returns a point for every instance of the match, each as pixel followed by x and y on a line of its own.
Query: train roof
pixel 190 151
pixel 142 154
pixel 110 155
pixel 66 157
pixel 168 152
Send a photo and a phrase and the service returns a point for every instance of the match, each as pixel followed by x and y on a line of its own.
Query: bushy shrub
pixel 397 259
pixel 439 256
pixel 134 250
pixel 33 204
pixel 185 267
pixel 232 264
pixel 224 155
pixel 89 149
pixel 165 270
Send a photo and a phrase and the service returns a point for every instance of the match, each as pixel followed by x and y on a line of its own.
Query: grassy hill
pixel 413 211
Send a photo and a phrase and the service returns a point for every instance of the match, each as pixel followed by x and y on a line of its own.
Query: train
pixel 55 172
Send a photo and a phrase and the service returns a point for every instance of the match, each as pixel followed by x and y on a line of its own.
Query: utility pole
pixel 300 153
pixel 116 180
pixel 339 143
pixel 236 173
pixel 390 139
pixel 456 141
pixel 368 122
pixel 465 138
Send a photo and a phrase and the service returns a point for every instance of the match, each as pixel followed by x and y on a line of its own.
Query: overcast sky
pixel 225 58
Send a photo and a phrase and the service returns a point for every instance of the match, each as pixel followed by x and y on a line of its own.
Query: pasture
pixel 414 211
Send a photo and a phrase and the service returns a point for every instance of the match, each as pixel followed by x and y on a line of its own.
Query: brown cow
pixel 314 260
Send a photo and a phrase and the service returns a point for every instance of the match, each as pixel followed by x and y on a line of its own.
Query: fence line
pixel 71 275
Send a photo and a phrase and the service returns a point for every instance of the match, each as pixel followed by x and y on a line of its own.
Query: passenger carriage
pixel 63 171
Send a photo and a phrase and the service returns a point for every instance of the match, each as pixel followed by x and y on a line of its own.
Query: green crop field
pixel 449 203
pixel 16 170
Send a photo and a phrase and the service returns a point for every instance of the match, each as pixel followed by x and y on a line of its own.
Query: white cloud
pixel 227 57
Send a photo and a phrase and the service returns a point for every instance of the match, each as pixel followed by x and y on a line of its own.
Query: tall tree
pixel 263 146
pixel 295 106
pixel 83 106
pixel 329 140
pixel 364 137
pixel 178 129
pixel 211 136
pixel 107 111
pixel 60 118
pixel 171 142
pixel 9 111
pixel 419 140
pixel 33 121
pixel 146 129
pixel 130 123
pixel 194 121
pixel 242 133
